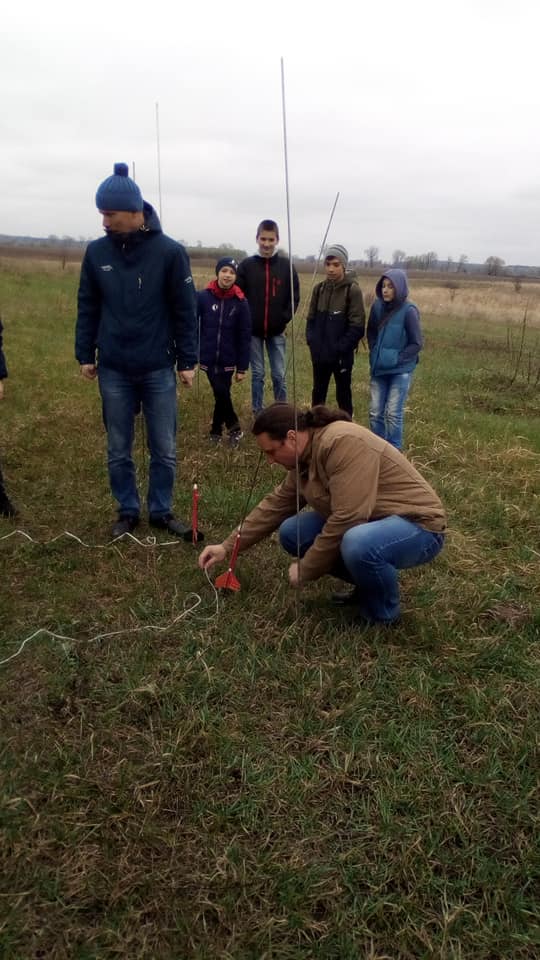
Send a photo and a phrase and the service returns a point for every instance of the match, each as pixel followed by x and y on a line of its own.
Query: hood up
pixel 399 279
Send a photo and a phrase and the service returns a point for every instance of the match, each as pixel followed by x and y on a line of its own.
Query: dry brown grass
pixel 491 301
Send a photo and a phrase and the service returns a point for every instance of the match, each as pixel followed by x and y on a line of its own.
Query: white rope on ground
pixel 157 628
pixel 149 541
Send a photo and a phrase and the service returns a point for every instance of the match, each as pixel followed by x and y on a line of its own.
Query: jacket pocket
pixel 388 358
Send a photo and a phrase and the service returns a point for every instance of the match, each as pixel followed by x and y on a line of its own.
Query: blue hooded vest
pixel 387 334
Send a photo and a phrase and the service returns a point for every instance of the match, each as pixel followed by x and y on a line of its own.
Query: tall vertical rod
pixel 291 266
pixel 158 161
pixel 289 241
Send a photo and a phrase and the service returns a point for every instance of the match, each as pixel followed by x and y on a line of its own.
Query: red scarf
pixel 225 294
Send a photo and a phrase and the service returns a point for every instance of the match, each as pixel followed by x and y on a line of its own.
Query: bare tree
pixel 398 257
pixel 463 260
pixel 372 255
pixel 494 266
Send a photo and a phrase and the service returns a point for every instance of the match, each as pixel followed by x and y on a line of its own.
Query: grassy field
pixel 252 777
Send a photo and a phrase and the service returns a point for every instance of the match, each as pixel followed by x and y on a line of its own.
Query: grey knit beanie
pixel 339 252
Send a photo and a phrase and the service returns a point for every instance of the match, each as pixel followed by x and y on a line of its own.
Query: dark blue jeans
pixel 122 396
pixel 275 348
pixel 371 555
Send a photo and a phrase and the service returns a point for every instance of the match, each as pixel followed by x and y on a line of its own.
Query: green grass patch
pixel 262 779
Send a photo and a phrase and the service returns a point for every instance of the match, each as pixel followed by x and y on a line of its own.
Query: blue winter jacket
pixel 136 302
pixel 225 330
pixel 393 333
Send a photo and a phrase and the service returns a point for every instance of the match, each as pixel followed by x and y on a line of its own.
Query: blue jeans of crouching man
pixel 387 405
pixel 371 555
pixel 123 395
pixel 275 348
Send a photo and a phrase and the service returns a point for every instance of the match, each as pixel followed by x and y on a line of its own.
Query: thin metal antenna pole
pixel 158 161
pixel 289 241
pixel 323 244
pixel 291 281
pixel 307 299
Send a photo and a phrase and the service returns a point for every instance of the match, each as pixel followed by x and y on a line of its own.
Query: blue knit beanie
pixel 226 262
pixel 119 192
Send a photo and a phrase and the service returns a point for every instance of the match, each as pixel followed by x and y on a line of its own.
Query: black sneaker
pixel 235 436
pixel 168 521
pixel 214 438
pixel 125 524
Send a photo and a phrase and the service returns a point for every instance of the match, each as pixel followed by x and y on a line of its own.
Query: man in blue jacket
pixel 136 320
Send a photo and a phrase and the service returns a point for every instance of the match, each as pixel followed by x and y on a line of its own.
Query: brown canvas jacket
pixel 350 476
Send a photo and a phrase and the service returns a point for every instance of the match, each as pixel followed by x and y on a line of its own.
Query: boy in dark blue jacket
pixel 137 319
pixel 6 507
pixel 225 340
pixel 395 340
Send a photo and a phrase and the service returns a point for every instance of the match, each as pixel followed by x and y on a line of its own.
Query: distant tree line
pixel 493 266
pixel 72 248
pixel 200 252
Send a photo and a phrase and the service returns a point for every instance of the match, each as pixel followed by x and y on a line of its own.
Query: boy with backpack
pixel 334 328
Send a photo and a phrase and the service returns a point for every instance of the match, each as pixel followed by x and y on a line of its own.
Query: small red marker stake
pixel 228 580
pixel 193 534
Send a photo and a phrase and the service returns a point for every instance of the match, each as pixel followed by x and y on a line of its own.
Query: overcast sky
pixel 424 115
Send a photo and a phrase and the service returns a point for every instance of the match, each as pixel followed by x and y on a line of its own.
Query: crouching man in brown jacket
pixel 371 512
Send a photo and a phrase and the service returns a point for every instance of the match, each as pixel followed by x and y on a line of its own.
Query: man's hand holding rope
pixel 213 553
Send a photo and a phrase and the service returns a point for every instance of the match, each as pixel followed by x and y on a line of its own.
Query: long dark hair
pixel 277 419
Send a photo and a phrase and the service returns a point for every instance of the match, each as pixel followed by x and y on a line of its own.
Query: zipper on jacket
pixel 218 341
pixel 266 298
pixel 139 283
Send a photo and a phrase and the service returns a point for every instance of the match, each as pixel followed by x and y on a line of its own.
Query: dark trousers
pixel 322 373
pixel 5 503
pixel 224 412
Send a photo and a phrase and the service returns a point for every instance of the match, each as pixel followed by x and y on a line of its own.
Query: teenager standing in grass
pixel 372 513
pixel 225 339
pixel 6 507
pixel 265 279
pixel 395 340
pixel 137 318
pixel 335 325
